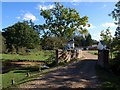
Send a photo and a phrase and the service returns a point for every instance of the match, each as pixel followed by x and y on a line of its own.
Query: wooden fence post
pixel 13 82
pixel 28 74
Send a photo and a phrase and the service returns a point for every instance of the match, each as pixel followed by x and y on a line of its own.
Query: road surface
pixel 81 74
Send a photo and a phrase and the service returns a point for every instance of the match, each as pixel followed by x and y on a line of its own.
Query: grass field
pixel 34 56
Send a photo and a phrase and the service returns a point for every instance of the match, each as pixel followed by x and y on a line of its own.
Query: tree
pixel 62 22
pixel 95 41
pixel 84 32
pixel 106 36
pixel 2 43
pixel 78 41
pixel 20 35
pixel 116 15
pixel 116 41
pixel 89 40
pixel 83 42
pixel 51 43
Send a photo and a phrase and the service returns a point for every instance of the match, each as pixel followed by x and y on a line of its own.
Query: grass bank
pixel 36 56
pixel 20 75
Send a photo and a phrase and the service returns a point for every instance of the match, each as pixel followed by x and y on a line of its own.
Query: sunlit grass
pixel 18 76
pixel 36 56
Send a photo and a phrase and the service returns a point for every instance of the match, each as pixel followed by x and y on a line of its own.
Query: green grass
pixel 19 76
pixel 7 77
pixel 107 78
pixel 94 52
pixel 36 56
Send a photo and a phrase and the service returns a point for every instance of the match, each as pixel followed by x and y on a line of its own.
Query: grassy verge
pixel 107 78
pixel 36 56
pixel 20 76
pixel 94 52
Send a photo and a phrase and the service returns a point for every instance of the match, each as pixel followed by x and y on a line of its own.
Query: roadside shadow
pixel 81 72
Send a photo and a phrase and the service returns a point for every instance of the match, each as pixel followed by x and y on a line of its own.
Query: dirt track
pixel 78 75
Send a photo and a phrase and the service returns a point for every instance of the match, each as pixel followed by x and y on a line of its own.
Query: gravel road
pixel 77 75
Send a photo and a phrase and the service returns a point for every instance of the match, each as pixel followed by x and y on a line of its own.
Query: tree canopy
pixel 21 35
pixel 106 36
pixel 61 21
pixel 116 41
pixel 116 15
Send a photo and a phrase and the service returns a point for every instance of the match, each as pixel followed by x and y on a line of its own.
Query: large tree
pixel 61 21
pixel 20 35
pixel 116 15
pixel 80 41
pixel 53 43
pixel 106 36
pixel 2 43
pixel 89 40
pixel 116 41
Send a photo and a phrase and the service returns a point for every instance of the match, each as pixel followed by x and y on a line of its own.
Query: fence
pixel 67 55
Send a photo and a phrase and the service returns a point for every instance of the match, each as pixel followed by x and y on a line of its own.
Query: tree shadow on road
pixel 77 75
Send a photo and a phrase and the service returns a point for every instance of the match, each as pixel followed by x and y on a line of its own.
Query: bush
pixel 115 64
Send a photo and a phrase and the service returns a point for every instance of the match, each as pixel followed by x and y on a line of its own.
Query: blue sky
pixel 97 12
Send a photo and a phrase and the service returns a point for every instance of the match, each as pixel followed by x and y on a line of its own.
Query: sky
pixel 97 13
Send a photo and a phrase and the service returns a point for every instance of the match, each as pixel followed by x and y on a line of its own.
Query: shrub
pixel 115 64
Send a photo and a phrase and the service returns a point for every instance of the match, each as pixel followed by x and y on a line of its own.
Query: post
pixel 28 74
pixel 13 82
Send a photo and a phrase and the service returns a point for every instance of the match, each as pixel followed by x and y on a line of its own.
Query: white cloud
pixel 45 7
pixel 108 24
pixel 18 17
pixel 29 16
